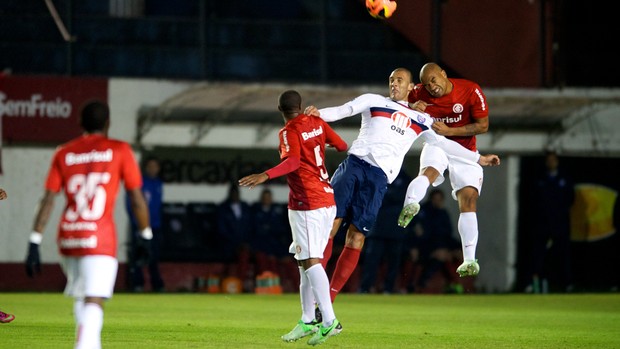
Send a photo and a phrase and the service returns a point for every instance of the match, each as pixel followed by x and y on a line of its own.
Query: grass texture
pixel 135 321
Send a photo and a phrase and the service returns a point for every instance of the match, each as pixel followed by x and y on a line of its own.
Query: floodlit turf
pixel 134 321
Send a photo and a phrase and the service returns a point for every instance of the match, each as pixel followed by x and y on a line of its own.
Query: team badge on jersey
pixel 401 120
pixel 457 108
pixel 421 119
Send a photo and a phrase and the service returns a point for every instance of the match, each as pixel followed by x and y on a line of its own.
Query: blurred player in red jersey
pixel 311 210
pixel 460 112
pixel 5 317
pixel 89 169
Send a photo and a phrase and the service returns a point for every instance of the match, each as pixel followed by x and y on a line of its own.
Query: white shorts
pixel 463 173
pixel 310 231
pixel 90 276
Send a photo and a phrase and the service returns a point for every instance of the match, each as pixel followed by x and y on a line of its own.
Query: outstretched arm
pixel 289 164
pixel 455 149
pixel 330 114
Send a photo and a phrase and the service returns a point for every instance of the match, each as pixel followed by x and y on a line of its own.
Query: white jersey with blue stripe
pixel 388 130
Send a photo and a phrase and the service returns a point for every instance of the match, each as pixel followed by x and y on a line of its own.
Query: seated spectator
pixel 234 230
pixel 271 239
pixel 433 246
pixel 384 242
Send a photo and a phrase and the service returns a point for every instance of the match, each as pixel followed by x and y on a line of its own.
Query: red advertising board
pixel 45 109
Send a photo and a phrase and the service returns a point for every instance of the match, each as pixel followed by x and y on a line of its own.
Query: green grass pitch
pixel 134 321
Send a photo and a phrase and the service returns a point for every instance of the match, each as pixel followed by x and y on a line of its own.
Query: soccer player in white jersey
pixel 388 129
pixel 311 210
pixel 89 170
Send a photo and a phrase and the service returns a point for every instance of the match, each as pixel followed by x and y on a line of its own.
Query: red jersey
pixel 89 169
pixel 458 108
pixel 304 137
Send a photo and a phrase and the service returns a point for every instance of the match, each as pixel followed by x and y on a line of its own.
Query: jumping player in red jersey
pixel 311 210
pixel 89 169
pixel 460 112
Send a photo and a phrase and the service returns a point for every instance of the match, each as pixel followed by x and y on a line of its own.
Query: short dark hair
pixel 94 116
pixel 289 101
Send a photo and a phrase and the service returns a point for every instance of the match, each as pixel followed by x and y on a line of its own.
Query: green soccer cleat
pixel 468 268
pixel 301 330
pixel 407 214
pixel 325 332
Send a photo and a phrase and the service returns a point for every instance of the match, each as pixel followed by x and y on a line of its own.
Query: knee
pixel 355 239
pixel 467 198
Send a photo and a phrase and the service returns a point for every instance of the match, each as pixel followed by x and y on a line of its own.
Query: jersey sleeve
pixel 479 106
pixel 334 139
pixel 130 171
pixel 290 153
pixel 288 165
pixel 450 147
pixel 53 182
pixel 350 108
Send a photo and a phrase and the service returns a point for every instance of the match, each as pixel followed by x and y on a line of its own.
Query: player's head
pixel 435 80
pixel 401 83
pixel 289 103
pixel 95 117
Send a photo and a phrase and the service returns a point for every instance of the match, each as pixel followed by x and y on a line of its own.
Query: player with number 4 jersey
pixel 311 211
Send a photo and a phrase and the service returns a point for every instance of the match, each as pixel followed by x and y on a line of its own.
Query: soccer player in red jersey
pixel 5 318
pixel 311 210
pixel 89 170
pixel 460 112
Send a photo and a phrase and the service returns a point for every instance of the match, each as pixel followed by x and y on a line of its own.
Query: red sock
pixel 347 262
pixel 327 253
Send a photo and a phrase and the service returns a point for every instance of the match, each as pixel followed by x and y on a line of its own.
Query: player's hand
pixel 489 160
pixel 441 128
pixel 2 194
pixel 418 106
pixel 142 251
pixel 253 180
pixel 312 110
pixel 33 260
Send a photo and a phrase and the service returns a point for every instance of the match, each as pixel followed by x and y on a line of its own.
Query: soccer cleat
pixel 323 333
pixel 468 268
pixel 301 330
pixel 5 318
pixel 407 214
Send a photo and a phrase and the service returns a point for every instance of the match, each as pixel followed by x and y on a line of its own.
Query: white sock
pixel 306 297
pixel 320 287
pixel 416 190
pixel 468 229
pixel 91 322
pixel 78 307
